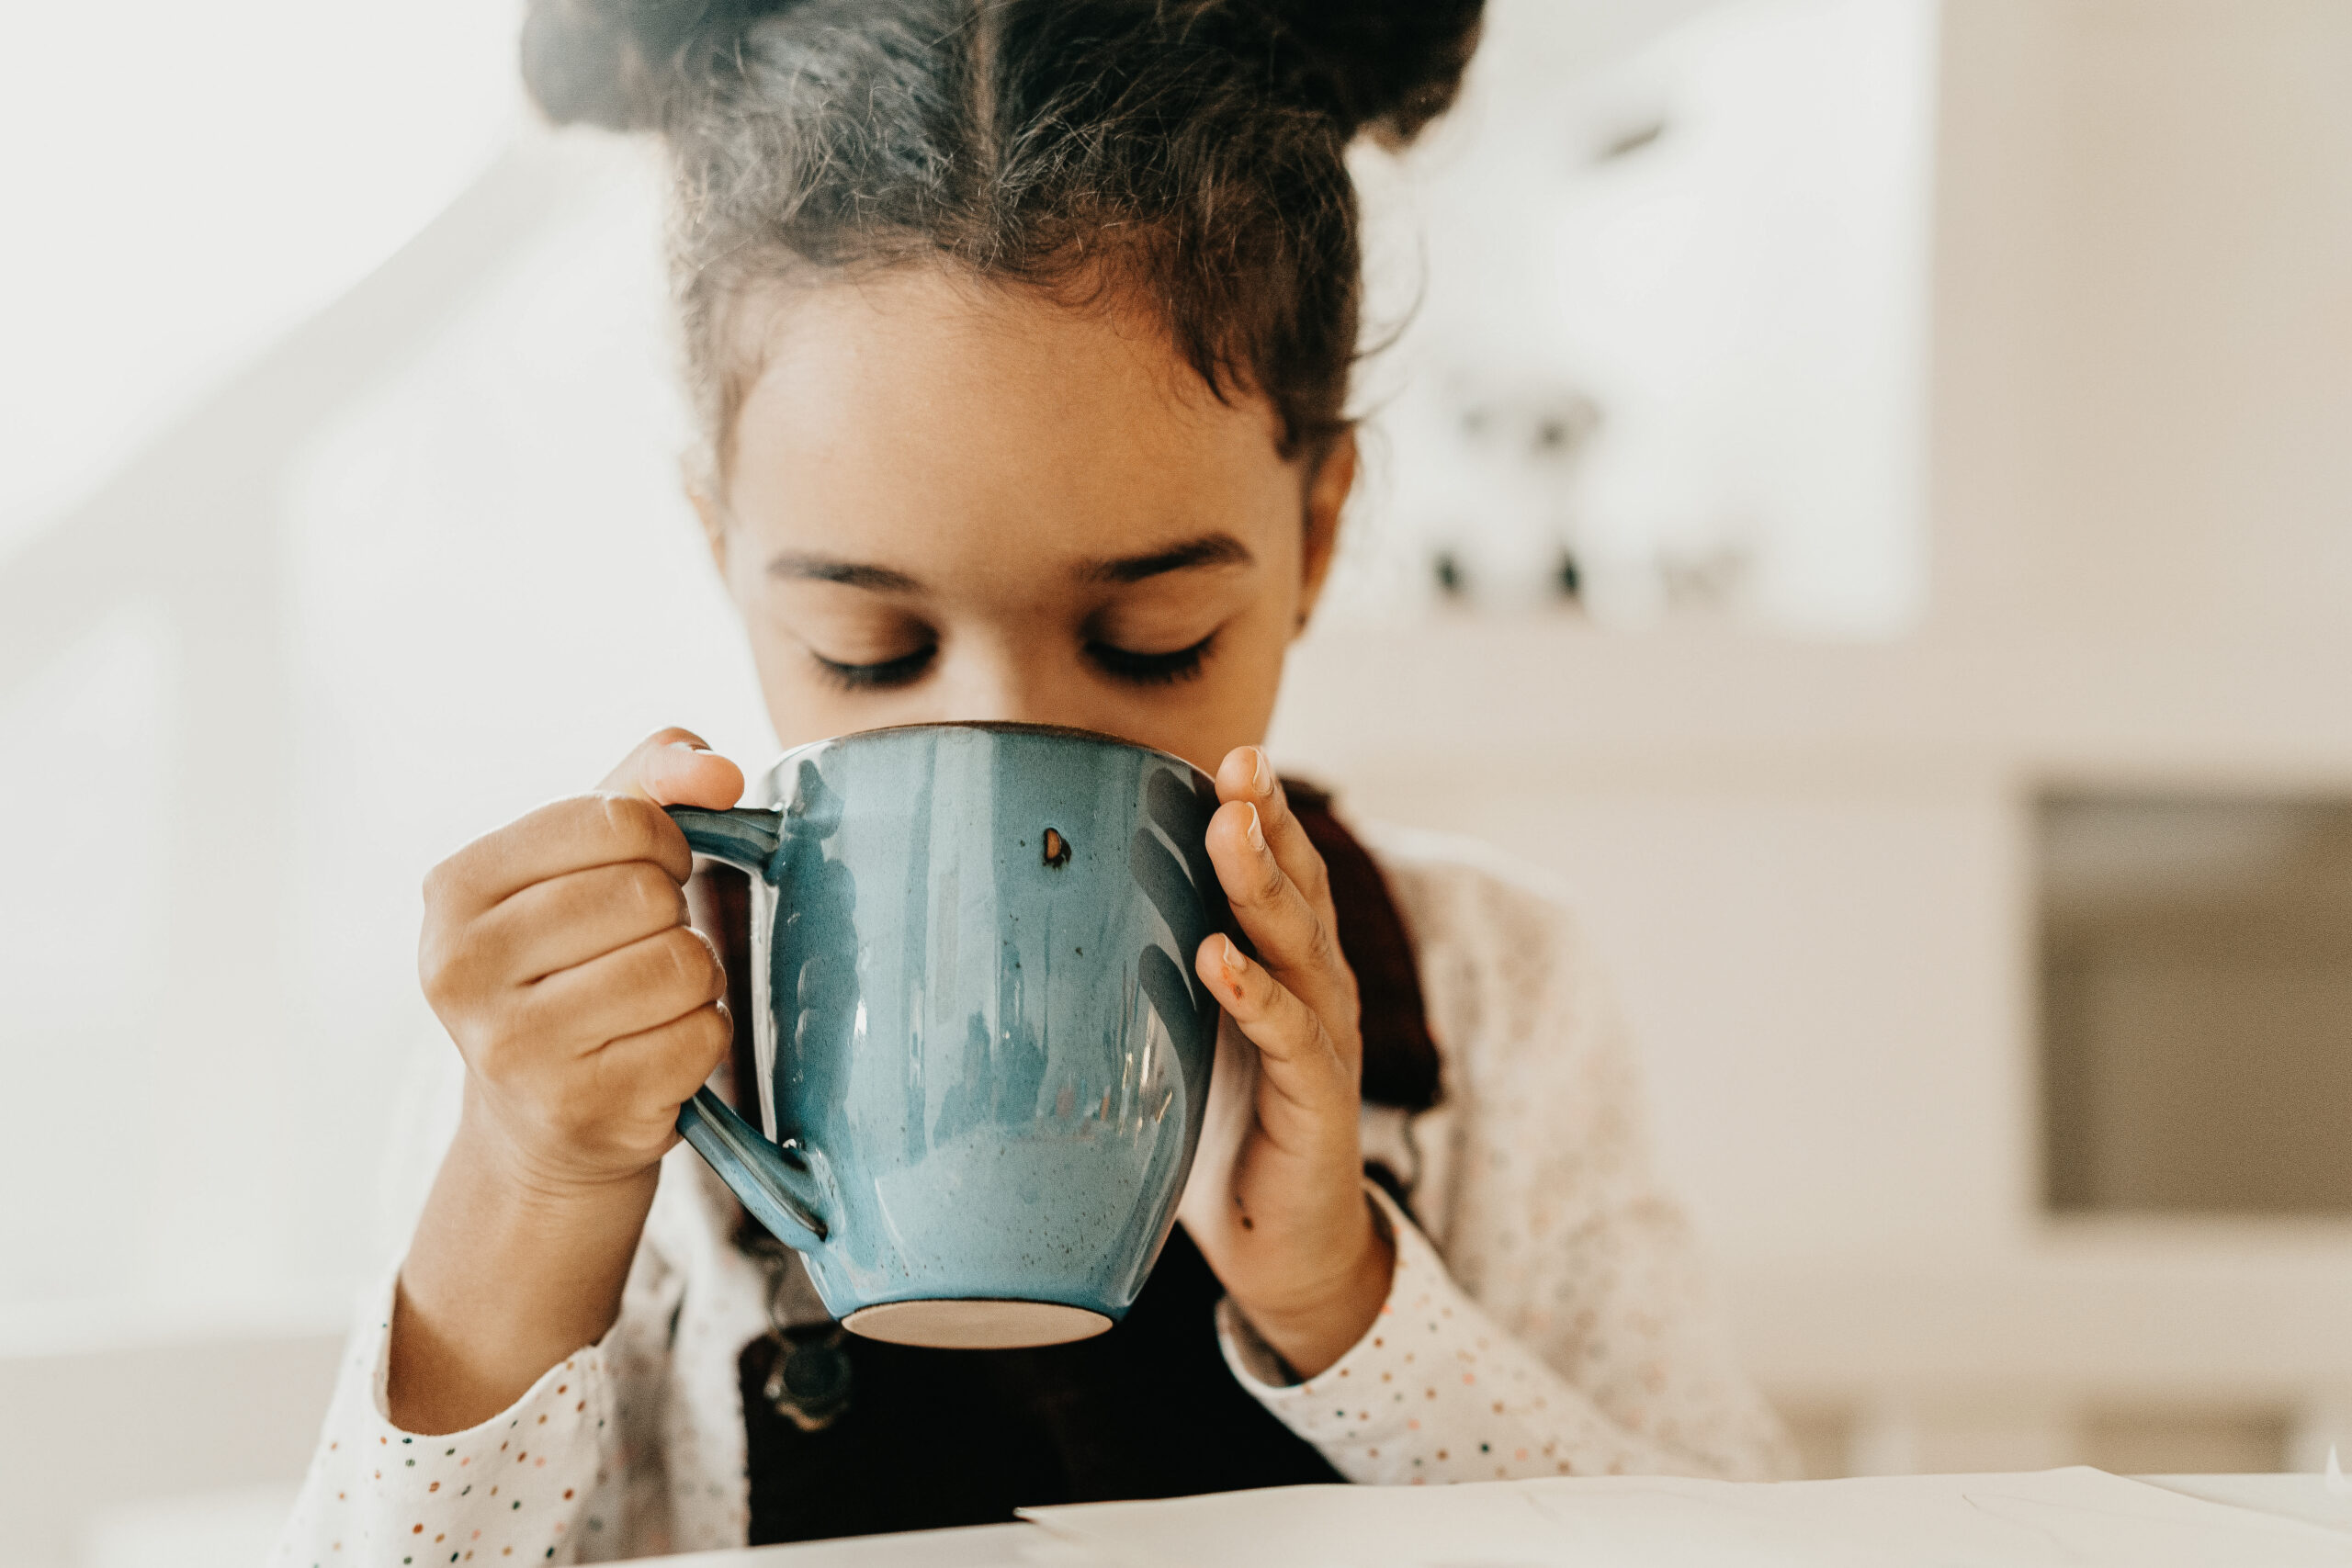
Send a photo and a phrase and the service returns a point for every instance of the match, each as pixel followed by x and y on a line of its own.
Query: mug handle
pixel 782 1196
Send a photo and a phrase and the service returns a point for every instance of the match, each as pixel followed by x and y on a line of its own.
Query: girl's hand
pixel 1276 1201
pixel 558 954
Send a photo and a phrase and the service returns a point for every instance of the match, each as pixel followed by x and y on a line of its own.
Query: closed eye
pixel 903 670
pixel 1150 669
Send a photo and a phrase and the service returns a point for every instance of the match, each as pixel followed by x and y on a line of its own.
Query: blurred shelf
pixel 2205 1312
pixel 1431 694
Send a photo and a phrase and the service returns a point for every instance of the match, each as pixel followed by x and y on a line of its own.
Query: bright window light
pixel 188 181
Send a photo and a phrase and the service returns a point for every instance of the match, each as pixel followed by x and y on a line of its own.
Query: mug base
pixel 976 1324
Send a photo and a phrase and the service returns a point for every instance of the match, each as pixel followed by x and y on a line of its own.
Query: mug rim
pixel 995 726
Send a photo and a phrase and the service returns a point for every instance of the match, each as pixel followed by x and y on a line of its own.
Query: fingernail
pixel 1235 964
pixel 1257 835
pixel 1261 772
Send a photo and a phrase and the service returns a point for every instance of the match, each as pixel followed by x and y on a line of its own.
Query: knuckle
pixel 447 967
pixel 1315 878
pixel 497 1054
pixel 687 957
pixel 445 883
pixel 431 964
pixel 1274 810
pixel 675 948
pixel 1350 994
pixel 623 815
pixel 636 825
pixel 704 1042
pixel 714 971
pixel 655 895
pixel 1268 879
pixel 1322 950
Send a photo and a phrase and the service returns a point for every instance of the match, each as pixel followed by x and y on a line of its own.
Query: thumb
pixel 674 767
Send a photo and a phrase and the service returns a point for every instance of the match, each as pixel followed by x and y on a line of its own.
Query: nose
pixel 1007 682
pixel 1024 678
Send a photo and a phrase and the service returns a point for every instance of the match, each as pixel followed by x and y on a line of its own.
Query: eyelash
pixel 1150 669
pixel 903 670
pixel 1135 669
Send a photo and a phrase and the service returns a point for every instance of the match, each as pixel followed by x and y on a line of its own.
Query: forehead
pixel 920 400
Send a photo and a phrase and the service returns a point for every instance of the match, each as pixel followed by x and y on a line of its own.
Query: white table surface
pixel 2289 1496
pixel 983 1546
pixel 1029 1546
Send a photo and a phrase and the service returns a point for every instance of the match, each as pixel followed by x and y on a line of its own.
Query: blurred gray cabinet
pixel 2196 968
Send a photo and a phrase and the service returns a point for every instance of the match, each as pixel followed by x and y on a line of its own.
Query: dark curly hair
pixel 1183 154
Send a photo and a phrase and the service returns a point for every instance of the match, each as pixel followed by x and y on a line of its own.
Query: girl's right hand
pixel 558 954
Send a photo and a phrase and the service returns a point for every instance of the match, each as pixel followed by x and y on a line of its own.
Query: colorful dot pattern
pixel 1555 1319
pixel 1436 1393
pixel 523 1487
pixel 635 1445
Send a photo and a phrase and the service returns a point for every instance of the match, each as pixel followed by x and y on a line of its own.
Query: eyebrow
pixel 1209 549
pixel 849 573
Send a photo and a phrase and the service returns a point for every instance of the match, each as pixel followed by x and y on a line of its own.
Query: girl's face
pixel 953 501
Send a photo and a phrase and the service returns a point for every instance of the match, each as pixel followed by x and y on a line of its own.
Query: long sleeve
pixel 1562 1324
pixel 630 1447
pixel 534 1482
pixel 576 1470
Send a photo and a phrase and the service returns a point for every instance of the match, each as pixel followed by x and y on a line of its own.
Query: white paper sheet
pixel 2081 1518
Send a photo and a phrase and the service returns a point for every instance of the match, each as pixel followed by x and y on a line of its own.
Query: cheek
pixel 795 700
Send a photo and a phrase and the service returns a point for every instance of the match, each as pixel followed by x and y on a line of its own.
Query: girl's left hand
pixel 1276 1201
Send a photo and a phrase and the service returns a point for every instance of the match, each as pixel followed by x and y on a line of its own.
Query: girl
pixel 1020 333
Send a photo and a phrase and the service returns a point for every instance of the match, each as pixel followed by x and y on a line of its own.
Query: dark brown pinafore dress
pixel 900 1439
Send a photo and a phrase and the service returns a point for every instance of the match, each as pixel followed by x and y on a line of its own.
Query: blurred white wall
pixel 188 182
pixel 424 564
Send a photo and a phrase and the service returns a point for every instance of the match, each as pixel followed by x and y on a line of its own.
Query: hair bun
pixel 620 63
pixel 1385 66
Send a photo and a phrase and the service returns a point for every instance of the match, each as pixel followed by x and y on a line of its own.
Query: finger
pixel 1290 935
pixel 567 920
pixel 663 1065
pixel 1295 1051
pixel 1247 774
pixel 623 822
pixel 642 986
pixel 577 834
pixel 674 767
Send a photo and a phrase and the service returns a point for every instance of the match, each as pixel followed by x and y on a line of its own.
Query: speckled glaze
pixel 983 1054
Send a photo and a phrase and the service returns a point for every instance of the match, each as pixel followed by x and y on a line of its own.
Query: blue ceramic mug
pixel 983 1055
